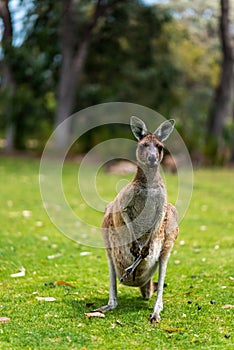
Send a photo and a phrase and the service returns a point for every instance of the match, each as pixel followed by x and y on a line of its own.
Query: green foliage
pixel 166 57
pixel 198 65
pixel 35 66
pixel 200 270
pixel 137 67
pixel 99 134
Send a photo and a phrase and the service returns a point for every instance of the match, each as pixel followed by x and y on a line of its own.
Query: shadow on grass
pixel 131 305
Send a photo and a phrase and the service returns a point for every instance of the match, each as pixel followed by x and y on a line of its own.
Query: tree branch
pixel 225 31
pixel 7 23
pixel 101 10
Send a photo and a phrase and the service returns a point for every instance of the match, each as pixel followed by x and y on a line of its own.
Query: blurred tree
pixel 223 96
pixel 78 23
pixel 130 59
pixel 198 69
pixel 8 81
pixel 124 40
pixel 194 47
pixel 199 52
pixel 34 62
pixel 78 53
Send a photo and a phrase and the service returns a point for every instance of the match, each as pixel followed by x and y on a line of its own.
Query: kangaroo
pixel 139 227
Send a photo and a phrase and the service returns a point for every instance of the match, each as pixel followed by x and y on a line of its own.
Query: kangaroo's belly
pixel 123 258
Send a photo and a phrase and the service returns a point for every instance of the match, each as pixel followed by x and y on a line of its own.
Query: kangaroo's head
pixel 149 151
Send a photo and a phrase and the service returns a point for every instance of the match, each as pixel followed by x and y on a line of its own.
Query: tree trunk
pixel 232 151
pixel 73 61
pixel 67 78
pixel 8 81
pixel 223 94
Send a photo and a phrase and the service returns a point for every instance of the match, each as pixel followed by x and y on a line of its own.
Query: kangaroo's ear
pixel 165 130
pixel 138 128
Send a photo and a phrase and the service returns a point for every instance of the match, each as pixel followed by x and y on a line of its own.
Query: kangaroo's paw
pixel 129 270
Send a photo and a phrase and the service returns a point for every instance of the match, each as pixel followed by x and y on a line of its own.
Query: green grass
pixel 199 271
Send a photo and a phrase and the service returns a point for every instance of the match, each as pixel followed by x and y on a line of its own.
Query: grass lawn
pixel 200 270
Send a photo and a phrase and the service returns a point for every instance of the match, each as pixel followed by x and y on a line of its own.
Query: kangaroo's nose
pixel 152 158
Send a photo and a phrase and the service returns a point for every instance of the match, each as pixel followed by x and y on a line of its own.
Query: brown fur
pixel 139 227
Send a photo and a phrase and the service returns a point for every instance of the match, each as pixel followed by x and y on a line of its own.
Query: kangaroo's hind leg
pixel 170 228
pixel 107 231
pixel 112 303
pixel 148 289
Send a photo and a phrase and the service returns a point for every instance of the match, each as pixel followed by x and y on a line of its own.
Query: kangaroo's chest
pixel 146 210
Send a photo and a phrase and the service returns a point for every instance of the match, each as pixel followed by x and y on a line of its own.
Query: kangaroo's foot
pixel 106 308
pixel 148 289
pixel 155 318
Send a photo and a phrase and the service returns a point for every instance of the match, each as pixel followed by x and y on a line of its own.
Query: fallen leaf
pixel 63 283
pixel 187 293
pixel 85 253
pixel 19 274
pixel 54 246
pixel 45 298
pixel 228 306
pixel 4 319
pixel 196 250
pixel 26 213
pixel 54 256
pixel 119 323
pixel 177 262
pixel 44 238
pixel 94 314
pixel 172 330
pixel 38 223
pixel 69 339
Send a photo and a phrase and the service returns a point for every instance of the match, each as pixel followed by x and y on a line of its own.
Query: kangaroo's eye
pixel 160 148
